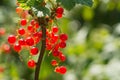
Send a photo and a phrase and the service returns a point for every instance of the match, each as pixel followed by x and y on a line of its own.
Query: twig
pixel 42 51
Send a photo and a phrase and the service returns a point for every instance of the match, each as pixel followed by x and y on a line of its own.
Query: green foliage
pixel 69 4
pixel 22 1
pixel 85 2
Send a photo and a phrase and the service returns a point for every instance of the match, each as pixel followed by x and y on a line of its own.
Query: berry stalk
pixel 42 51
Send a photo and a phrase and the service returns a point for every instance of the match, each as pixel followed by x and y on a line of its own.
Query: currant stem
pixel 41 54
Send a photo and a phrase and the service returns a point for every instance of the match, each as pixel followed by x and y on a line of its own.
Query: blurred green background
pixel 93 48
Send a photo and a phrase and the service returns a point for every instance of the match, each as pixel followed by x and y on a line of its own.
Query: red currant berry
pixel 56 47
pixel 37 40
pixel 55 53
pixel 62 57
pixel 21 41
pixel 17 47
pixel 63 37
pixel 62 70
pixel 57 69
pixel 30 28
pixel 54 63
pixel 21 31
pixel 37 25
pixel 34 51
pixel 31 63
pixel 23 22
pixel 54 29
pixel 62 44
pixel 55 38
pixel 29 41
pixel 32 22
pixel 11 39
pixel 59 15
pixel 59 10
pixel 48 47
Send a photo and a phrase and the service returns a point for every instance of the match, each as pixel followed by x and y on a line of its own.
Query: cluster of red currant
pixel 30 34
pixel 27 37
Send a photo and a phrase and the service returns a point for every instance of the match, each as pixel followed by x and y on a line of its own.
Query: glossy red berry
pixel 21 31
pixel 54 39
pixel 29 41
pixel 62 57
pixel 32 22
pixel 59 15
pixel 37 25
pixel 48 47
pixel 54 63
pixel 62 44
pixel 57 69
pixel 17 47
pixel 54 29
pixel 12 39
pixel 59 10
pixel 23 22
pixel 30 28
pixel 63 37
pixel 21 41
pixel 34 51
pixel 62 69
pixel 55 53
pixel 31 63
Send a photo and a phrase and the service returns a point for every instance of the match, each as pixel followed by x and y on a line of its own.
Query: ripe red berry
pixel 54 29
pixel 62 69
pixel 57 69
pixel 55 53
pixel 59 15
pixel 32 22
pixel 31 63
pixel 37 25
pixel 30 28
pixel 17 47
pixel 11 39
pixel 62 44
pixel 48 47
pixel 62 57
pixel 34 51
pixel 54 63
pixel 21 31
pixel 59 10
pixel 29 41
pixel 63 37
pixel 21 41
pixel 23 22
pixel 54 38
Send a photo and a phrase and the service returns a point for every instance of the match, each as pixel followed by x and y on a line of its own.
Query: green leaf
pixel 68 4
pixel 22 1
pixel 30 2
pixel 85 2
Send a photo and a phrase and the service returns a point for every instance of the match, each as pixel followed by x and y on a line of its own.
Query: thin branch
pixel 42 51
